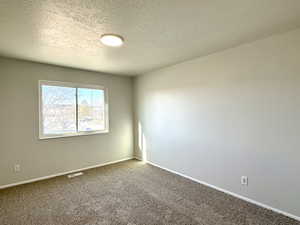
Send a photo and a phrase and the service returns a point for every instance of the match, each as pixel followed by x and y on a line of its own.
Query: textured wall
pixel 19 123
pixel 229 114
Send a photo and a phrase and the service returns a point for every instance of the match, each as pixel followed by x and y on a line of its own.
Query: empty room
pixel 158 112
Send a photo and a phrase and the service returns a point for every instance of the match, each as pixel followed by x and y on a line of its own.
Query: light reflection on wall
pixel 142 143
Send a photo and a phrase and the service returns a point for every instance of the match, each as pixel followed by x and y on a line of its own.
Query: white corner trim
pixel 228 192
pixel 63 173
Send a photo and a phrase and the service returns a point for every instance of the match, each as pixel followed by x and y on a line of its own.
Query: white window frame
pixel 73 85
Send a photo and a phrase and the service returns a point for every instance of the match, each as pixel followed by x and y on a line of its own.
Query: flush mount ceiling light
pixel 112 40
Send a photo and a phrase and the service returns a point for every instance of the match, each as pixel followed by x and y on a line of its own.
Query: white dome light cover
pixel 112 40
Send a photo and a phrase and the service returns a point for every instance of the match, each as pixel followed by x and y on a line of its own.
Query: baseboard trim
pixel 228 192
pixel 63 173
pixel 138 158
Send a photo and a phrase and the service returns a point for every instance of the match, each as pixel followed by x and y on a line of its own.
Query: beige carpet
pixel 128 193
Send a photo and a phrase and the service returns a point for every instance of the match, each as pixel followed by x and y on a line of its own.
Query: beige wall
pixel 19 142
pixel 226 115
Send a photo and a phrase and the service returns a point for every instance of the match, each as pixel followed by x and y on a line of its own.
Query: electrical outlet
pixel 244 180
pixel 17 168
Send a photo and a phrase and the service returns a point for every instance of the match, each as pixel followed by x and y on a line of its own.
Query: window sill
pixel 43 137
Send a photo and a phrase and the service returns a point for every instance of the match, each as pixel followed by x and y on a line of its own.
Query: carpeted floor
pixel 128 193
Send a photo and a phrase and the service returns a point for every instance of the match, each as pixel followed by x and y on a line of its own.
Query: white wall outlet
pixel 17 168
pixel 244 180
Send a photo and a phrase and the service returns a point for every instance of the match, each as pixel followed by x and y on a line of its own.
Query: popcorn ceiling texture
pixel 128 193
pixel 157 33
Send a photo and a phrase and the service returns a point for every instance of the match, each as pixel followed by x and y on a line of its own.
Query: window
pixel 68 109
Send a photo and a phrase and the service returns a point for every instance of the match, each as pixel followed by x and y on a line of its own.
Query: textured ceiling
pixel 157 32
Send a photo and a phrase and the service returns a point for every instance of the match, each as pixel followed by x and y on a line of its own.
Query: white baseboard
pixel 138 158
pixel 169 170
pixel 61 174
pixel 229 192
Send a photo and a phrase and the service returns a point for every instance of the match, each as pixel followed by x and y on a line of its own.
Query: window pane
pixel 59 109
pixel 91 109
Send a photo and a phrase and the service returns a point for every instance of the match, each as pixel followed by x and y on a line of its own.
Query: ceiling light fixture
pixel 112 40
